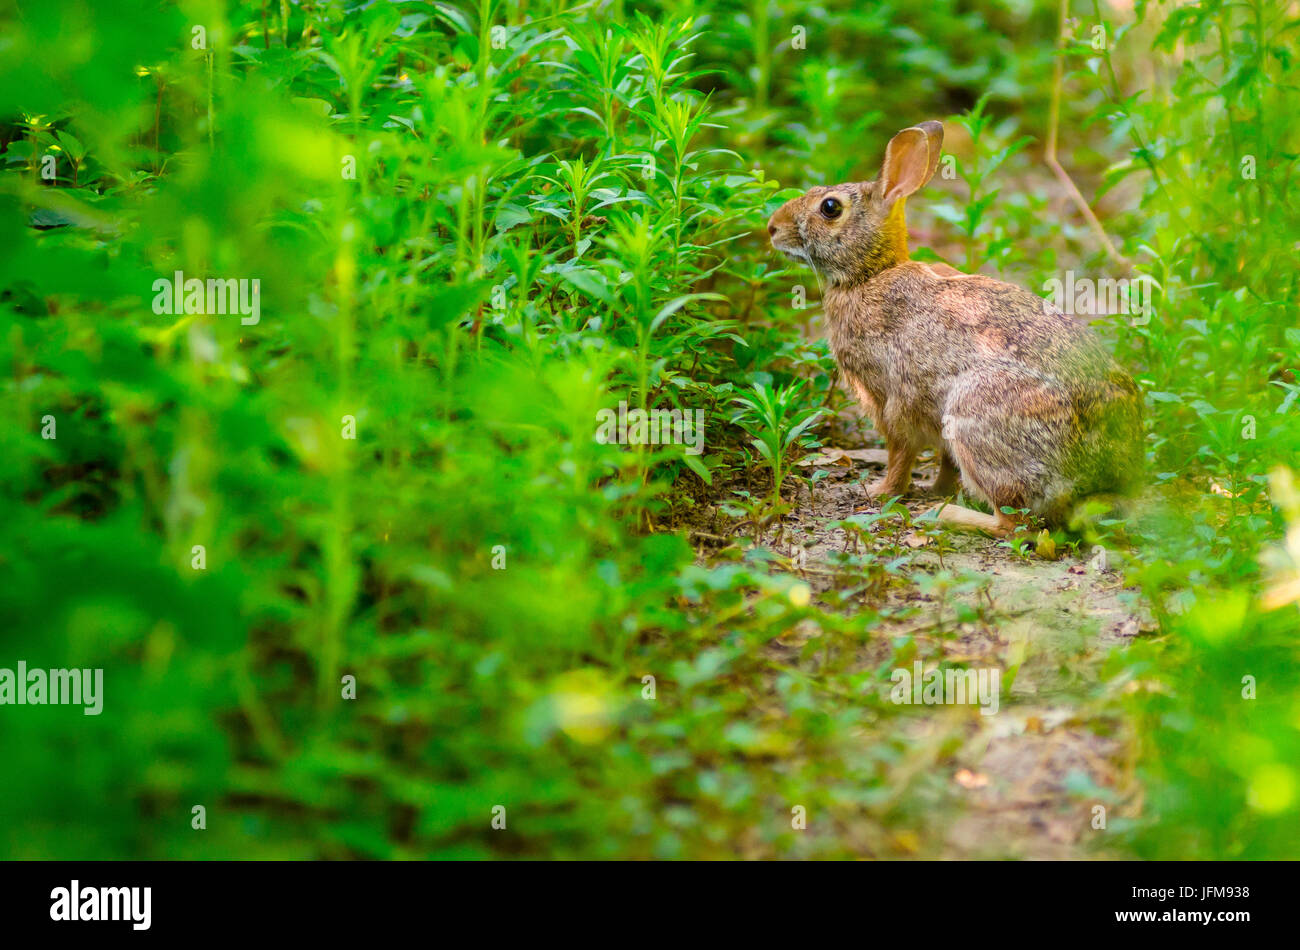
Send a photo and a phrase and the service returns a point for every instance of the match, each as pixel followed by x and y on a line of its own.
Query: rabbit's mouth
pixel 793 252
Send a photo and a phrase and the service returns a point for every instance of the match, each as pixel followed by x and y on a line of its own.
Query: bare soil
pixel 1047 774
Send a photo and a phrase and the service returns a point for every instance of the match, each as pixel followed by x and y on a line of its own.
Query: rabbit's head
pixel 853 231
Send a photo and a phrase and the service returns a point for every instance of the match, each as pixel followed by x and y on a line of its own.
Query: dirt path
pixel 1027 780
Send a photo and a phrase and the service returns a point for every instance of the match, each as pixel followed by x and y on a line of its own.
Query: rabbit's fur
pixel 1022 400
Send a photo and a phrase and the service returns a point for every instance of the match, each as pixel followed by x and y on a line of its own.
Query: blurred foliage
pixel 475 226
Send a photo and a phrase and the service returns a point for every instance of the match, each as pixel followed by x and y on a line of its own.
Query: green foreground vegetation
pixel 475 227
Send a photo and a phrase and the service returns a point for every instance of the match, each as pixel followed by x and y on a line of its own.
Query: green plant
pixel 777 420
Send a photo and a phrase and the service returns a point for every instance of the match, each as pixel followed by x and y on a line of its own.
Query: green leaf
pixel 696 464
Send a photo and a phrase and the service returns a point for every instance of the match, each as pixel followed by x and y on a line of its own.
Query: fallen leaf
pixel 1044 546
pixel 847 457
pixel 828 457
pixel 906 841
pixel 968 779
pixel 1217 489
pixel 874 456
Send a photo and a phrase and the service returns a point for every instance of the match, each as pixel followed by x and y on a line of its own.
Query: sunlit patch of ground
pixel 1044 777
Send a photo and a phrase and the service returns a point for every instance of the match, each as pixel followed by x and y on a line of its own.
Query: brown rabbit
pixel 1022 399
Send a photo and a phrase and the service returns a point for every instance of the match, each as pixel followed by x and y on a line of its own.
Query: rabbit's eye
pixel 831 208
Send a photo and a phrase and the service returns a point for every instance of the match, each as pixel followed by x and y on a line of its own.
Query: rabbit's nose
pixel 771 229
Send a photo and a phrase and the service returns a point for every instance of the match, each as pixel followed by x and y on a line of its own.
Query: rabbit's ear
pixel 910 160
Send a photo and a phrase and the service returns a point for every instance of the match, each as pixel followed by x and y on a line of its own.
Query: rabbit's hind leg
pixel 1006 426
pixel 998 525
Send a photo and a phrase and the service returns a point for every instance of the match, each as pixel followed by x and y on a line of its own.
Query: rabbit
pixel 1024 403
